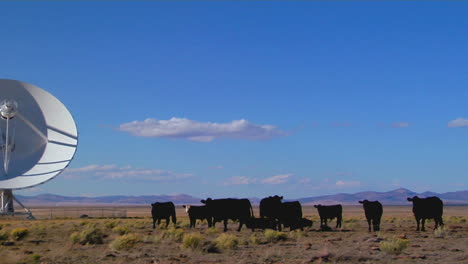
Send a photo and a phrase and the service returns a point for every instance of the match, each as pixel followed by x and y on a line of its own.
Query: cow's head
pixel 277 197
pixel 274 199
pixel 306 222
pixel 363 202
pixel 187 207
pixel 206 201
pixel 317 205
pixel 415 198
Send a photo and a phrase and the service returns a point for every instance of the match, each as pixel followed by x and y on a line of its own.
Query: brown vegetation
pixel 132 240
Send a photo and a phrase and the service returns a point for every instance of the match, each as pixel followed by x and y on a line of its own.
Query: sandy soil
pixel 52 240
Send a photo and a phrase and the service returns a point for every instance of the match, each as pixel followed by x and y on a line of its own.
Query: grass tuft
pixel 125 242
pixel 192 241
pixel 212 231
pixel 175 234
pixel 90 235
pixel 3 236
pixel 110 224
pixel 440 232
pixel 394 245
pixel 275 236
pixel 121 230
pixel 227 241
pixel 19 233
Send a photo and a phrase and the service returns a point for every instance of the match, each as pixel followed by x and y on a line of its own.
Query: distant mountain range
pixel 395 197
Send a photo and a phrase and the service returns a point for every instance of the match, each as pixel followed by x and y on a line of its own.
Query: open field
pixel 132 240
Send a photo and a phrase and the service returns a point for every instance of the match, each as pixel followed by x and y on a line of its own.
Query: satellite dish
pixel 38 139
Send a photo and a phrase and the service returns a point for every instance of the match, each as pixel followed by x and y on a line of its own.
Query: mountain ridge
pixel 394 197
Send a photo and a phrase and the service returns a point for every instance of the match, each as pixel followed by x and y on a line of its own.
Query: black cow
pixel 224 209
pixel 303 222
pixel 261 223
pixel 198 212
pixel 373 211
pixel 427 208
pixel 288 214
pixel 163 211
pixel 269 206
pixel 329 212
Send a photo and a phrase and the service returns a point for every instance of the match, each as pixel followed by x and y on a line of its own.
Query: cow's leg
pixel 377 224
pixel 369 223
pixel 154 223
pixel 423 221
pixel 167 221
pixel 209 220
pixel 192 222
pixel 225 225
pixel 174 219
pixel 241 222
pixel 441 222
pixel 417 224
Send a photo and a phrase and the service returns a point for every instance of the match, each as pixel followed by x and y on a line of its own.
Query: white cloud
pixel 92 168
pixel 459 122
pixel 200 131
pixel 400 124
pixel 126 172
pixel 347 184
pixel 278 179
pixel 240 180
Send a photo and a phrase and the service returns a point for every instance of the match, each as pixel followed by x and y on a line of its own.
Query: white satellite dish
pixel 38 139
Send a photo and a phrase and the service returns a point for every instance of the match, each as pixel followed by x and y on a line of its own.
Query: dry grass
pixel 77 241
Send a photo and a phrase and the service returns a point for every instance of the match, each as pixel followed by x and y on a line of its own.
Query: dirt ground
pixel 133 240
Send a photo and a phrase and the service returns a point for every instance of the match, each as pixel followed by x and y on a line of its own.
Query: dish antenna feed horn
pixel 38 139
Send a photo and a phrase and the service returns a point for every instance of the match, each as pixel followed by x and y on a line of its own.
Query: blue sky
pixel 250 98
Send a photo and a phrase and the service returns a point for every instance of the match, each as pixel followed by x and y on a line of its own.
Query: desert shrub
pixel 162 226
pixel 440 232
pixel 110 224
pixel 352 225
pixel 350 220
pixel 456 220
pixel 275 236
pixel 227 241
pixel 393 245
pixel 3 235
pixel 192 241
pixel 121 230
pixel 141 224
pixel 19 233
pixel 90 235
pixel 296 234
pixel 255 240
pixel 174 234
pixel 210 247
pixel 183 223
pixel 124 242
pixel 35 258
pixel 212 231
